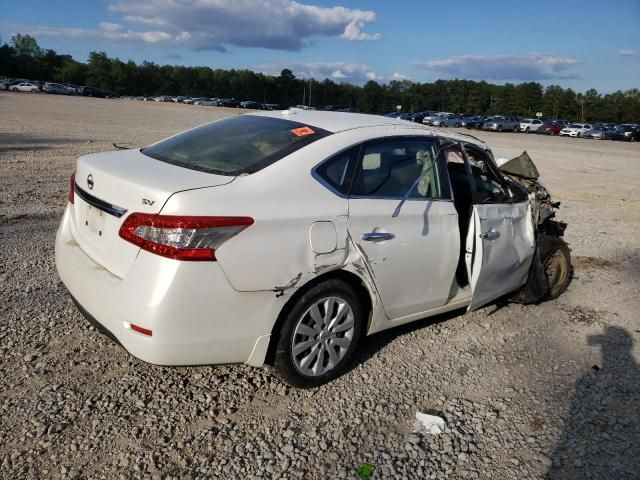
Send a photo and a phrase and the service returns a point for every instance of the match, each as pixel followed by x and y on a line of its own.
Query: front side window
pixel 490 189
pixel 235 145
pixel 390 168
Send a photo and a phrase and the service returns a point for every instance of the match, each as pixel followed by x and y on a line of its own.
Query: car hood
pixel 522 170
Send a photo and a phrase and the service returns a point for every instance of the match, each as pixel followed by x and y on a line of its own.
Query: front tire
pixel 556 261
pixel 319 335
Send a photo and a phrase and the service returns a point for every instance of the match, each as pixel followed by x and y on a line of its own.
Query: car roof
pixel 336 122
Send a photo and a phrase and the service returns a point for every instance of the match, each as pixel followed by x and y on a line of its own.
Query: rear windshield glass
pixel 235 145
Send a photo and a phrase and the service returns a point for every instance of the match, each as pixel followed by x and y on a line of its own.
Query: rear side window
pixel 235 145
pixel 338 170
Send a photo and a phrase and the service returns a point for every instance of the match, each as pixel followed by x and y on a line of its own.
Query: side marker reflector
pixel 144 331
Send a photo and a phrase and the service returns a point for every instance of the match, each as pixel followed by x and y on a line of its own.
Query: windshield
pixel 235 145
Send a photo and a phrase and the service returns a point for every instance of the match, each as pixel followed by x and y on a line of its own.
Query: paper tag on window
pixel 302 131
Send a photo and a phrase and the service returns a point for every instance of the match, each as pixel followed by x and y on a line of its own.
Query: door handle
pixel 377 236
pixel 490 235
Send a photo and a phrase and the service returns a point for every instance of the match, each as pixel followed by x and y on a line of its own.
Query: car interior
pixel 488 190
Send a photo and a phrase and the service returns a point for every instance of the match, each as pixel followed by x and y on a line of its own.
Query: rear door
pixel 501 240
pixel 410 251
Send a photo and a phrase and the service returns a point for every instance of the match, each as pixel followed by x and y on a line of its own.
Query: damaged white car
pixel 287 237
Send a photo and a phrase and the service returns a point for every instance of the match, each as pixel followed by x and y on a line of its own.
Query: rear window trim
pixel 318 134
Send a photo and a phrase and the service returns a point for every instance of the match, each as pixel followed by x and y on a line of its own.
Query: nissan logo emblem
pixel 90 182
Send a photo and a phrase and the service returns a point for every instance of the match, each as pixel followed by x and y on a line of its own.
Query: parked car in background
pixel 450 121
pixel 275 106
pixel 193 100
pixel 473 121
pixel 24 87
pixel 446 120
pixel 92 92
pixel 72 88
pixel 56 88
pixel 229 102
pixel 627 132
pixel 251 104
pixel 551 127
pixel 207 102
pixel 432 116
pixel 611 126
pixel 575 130
pixel 419 116
pixel 599 132
pixel 530 125
pixel 405 116
pixel 499 123
pixel 253 238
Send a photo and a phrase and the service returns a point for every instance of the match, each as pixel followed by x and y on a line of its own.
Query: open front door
pixel 500 247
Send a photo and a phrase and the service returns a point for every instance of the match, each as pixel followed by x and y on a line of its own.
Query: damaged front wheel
pixel 550 272
pixel 556 261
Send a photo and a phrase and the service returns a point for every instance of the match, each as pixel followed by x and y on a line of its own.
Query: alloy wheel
pixel 322 336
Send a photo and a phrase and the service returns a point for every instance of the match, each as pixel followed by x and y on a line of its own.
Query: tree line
pixel 22 57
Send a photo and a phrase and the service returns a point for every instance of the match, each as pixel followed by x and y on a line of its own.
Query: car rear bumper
pixel 195 316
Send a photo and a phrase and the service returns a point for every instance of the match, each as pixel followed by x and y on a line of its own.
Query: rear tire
pixel 319 335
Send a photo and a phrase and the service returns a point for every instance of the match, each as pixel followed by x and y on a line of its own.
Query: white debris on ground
pixel 430 424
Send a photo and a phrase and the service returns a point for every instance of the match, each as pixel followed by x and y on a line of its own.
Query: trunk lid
pixel 112 185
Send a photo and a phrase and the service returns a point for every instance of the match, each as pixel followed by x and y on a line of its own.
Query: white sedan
pixel 287 237
pixel 530 125
pixel 575 130
pixel 24 87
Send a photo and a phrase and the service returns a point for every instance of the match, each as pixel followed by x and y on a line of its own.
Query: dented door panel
pixel 499 251
pixel 414 268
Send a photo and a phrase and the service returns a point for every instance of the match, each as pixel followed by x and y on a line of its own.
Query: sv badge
pixel 146 201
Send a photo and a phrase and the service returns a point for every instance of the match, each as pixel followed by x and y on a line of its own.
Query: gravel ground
pixel 546 391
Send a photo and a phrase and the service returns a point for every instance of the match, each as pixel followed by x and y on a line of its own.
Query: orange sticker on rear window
pixel 302 131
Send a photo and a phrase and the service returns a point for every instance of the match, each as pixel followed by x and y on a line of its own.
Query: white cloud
pixel 217 24
pixel 109 32
pixel 338 71
pixel 627 53
pixel 353 31
pixel 532 66
pixel 399 76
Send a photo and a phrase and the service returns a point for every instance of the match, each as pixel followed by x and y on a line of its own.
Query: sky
pixel 577 44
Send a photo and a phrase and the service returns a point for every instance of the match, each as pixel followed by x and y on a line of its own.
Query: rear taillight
pixel 72 187
pixel 181 237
